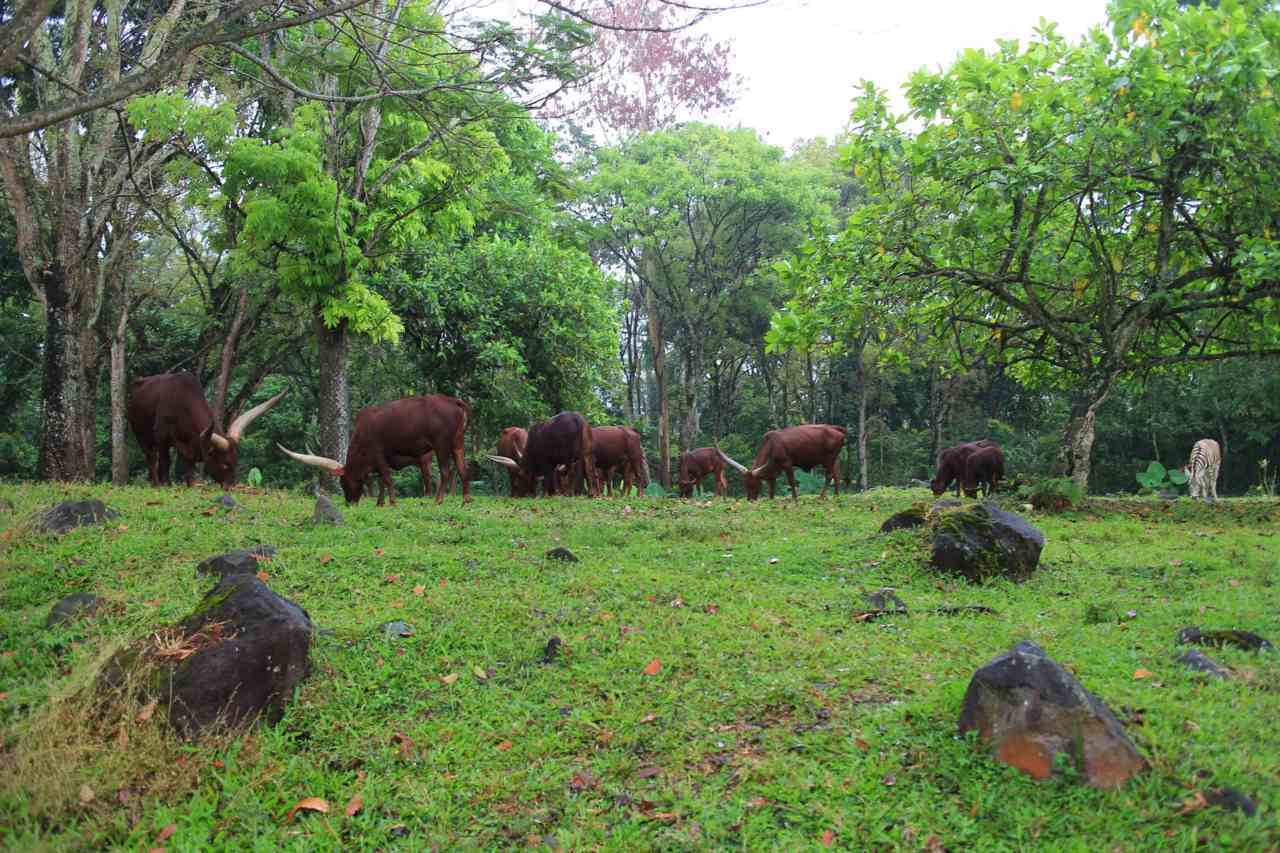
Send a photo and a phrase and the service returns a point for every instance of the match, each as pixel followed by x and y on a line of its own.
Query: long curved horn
pixel 756 472
pixel 505 460
pixel 317 461
pixel 218 441
pixel 741 469
pixel 240 424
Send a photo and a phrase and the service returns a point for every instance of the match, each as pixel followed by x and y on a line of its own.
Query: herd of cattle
pixel 566 454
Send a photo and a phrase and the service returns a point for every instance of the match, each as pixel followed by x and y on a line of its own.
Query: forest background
pixel 1066 246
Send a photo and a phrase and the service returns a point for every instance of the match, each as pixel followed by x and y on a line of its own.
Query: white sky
pixel 802 59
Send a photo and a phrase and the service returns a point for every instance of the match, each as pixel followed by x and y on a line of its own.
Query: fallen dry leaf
pixel 262 576
pixel 648 718
pixel 582 780
pixel 861 744
pixel 419 589
pixel 147 710
pixel 1194 803
pixel 378 552
pixel 480 673
pixel 1142 673
pixel 324 558
pixel 890 780
pixel 3 695
pixel 648 772
pixel 86 794
pixel 354 805
pixel 450 678
pixel 653 667
pixel 828 838
pixel 391 579
pixel 712 608
pixel 404 743
pixel 505 745
pixel 308 804
pixel 757 803
pixel 166 833
pixel 219 764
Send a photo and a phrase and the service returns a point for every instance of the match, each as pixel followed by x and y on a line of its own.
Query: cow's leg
pixel 385 481
pixel 460 464
pixel 162 465
pixel 153 464
pixel 791 479
pixel 826 479
pixel 722 485
pixel 424 466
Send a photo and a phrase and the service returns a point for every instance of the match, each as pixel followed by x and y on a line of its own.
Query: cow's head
pixel 686 488
pixel 522 482
pixel 937 485
pixel 352 486
pixel 221 452
pixel 751 478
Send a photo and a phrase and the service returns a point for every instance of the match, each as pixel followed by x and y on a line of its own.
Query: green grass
pixel 774 717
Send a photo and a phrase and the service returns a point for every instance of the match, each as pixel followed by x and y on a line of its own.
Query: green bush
pixel 1054 494
pixel 1157 478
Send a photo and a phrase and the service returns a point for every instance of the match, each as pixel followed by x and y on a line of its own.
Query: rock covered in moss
pixel 1247 640
pixel 69 515
pixel 1027 709
pixel 75 606
pixel 239 656
pixel 985 541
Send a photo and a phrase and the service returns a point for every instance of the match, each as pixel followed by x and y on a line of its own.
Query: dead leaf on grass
pixel 86 794
pixel 391 579
pixel 1142 673
pixel 505 745
pixel 648 718
pixel 653 667
pixel 166 833
pixel 404 743
pixel 648 772
pixel 354 805
pixel 263 576
pixel 325 558
pixel 828 838
pixel 1194 803
pixel 308 804
pixel 419 590
pixel 378 552
pixel 480 673
pixel 450 678
pixel 147 710
pixel 712 609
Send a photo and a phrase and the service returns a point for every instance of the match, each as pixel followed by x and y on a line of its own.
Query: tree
pixel 1076 214
pixel 691 213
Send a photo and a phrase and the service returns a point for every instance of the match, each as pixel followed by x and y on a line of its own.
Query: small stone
pixel 1247 640
pixel 1199 662
pixel 1231 800
pixel 562 554
pixel 1027 709
pixel 69 515
pixel 885 599
pixel 550 650
pixel 73 607
pixel 396 630
pixel 242 561
pixel 326 512
pixel 227 502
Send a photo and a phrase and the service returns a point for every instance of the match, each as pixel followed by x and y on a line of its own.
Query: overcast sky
pixel 802 59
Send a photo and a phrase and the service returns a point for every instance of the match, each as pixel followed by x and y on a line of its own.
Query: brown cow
pixel 697 464
pixel 784 450
pixel 951 465
pixel 983 467
pixel 615 447
pixel 511 443
pixel 565 440
pixel 169 410
pixel 408 428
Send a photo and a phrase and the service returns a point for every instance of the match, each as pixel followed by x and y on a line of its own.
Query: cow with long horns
pixel 697 464
pixel 565 440
pixel 169 411
pixel 783 450
pixel 614 447
pixel 402 430
pixel 511 444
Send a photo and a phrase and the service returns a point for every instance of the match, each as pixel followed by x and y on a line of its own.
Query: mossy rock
pixel 984 541
pixel 917 515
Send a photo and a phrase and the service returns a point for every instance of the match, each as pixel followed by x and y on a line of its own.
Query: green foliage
pixel 1054 494
pixel 254 477
pixel 1157 478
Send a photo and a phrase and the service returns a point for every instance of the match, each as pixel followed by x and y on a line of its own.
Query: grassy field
pixel 713 689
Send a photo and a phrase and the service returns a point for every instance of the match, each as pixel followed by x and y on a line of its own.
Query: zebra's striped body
pixel 1202 469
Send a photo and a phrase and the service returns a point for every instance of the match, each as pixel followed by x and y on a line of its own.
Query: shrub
pixel 1054 494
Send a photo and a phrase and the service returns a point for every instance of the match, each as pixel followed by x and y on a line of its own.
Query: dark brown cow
pixel 783 450
pixel 951 465
pixel 563 440
pixel 615 447
pixel 404 430
pixel 984 467
pixel 511 444
pixel 697 464
pixel 169 411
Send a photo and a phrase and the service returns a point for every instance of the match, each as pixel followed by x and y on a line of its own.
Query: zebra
pixel 1202 469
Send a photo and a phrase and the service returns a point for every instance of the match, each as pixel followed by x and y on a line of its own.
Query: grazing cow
pixel 1201 469
pixel 697 464
pixel 511 444
pixel 951 465
pixel 784 450
pixel 169 411
pixel 983 467
pixel 565 440
pixel 403 430
pixel 614 447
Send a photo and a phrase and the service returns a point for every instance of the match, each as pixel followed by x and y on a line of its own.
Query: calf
pixel 697 464
pixel 616 448
pixel 983 467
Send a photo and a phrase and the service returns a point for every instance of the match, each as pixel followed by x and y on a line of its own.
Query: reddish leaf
pixel 1142 673
pixel 582 780
pixel 391 579
pixel 378 552
pixel 648 772
pixel 308 804
pixel 665 817
pixel 419 589
pixel 262 576
pixel 757 803
pixel 861 744
pixel 165 833
pixel 324 558
pixel 404 743
pixel 828 838
pixel 219 764
pixel 890 780
pixel 354 805
pixel 3 695
pixel 653 667
pixel 712 608
pixel 147 710
pixel 505 745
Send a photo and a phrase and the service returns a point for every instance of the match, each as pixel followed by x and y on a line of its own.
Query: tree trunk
pixel 226 360
pixel 119 447
pixel 935 413
pixel 657 345
pixel 335 393
pixel 1075 456
pixel 691 425
pixel 63 390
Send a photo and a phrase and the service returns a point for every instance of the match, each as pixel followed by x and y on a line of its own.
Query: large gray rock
pixel 985 541
pixel 1246 640
pixel 1026 708
pixel 69 515
pixel 326 512
pixel 1198 661
pixel 239 656
pixel 242 561
pixel 73 607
